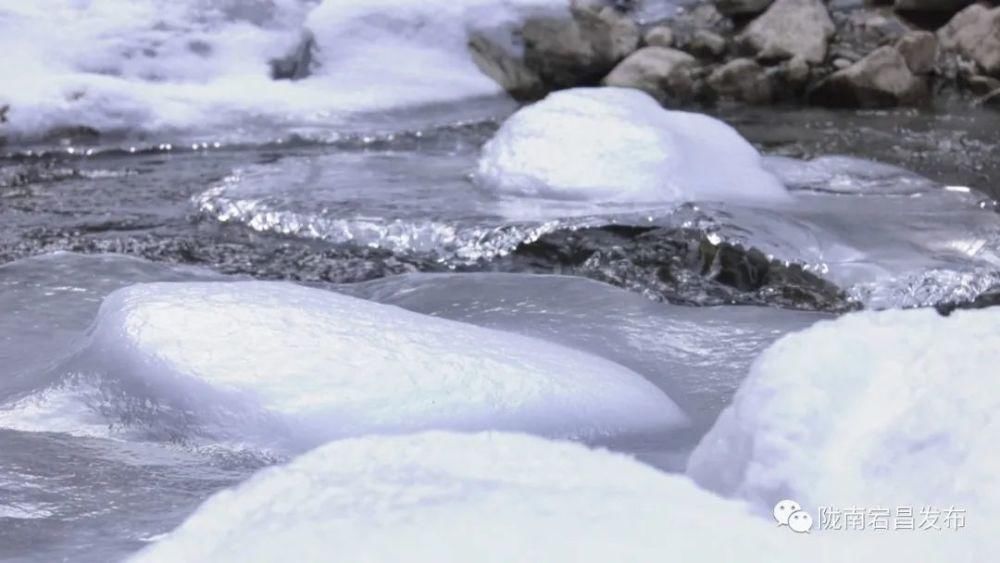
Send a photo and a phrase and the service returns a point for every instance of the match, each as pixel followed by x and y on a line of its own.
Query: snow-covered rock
pixel 890 409
pixel 488 497
pixel 200 67
pixel 618 144
pixel 290 365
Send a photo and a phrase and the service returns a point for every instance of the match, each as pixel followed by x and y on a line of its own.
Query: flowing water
pixel 382 204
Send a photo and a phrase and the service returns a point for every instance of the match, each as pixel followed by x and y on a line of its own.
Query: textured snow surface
pixel 619 145
pixel 159 66
pixel 318 365
pixel 897 408
pixel 451 497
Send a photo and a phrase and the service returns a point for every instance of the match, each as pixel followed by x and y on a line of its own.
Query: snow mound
pixel 891 409
pixel 193 66
pixel 451 497
pixel 250 357
pixel 618 144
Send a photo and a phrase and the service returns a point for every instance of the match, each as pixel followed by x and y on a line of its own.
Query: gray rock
pixel 841 63
pixel 580 50
pixel 975 33
pixel 659 36
pixel 506 68
pixel 742 79
pixel 742 7
pixel 991 100
pixel 920 49
pixel 666 74
pixel 868 28
pixel 297 64
pixel 931 5
pixel 981 85
pixel 700 16
pixel 707 45
pixel 795 71
pixel 790 28
pixel 882 79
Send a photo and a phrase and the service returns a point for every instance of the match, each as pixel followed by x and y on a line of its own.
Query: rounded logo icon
pixel 800 522
pixel 784 509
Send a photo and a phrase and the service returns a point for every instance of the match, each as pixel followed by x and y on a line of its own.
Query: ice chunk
pixel 306 365
pixel 486 497
pixel 890 409
pixel 618 144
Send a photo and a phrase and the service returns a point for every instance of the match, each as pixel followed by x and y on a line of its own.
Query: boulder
pixel 707 45
pixel 790 28
pixel 580 50
pixel 920 50
pixel 867 28
pixel 666 74
pixel 991 100
pixel 742 79
pixel 981 85
pixel 795 72
pixel 882 79
pixel 742 7
pixel 659 36
pixel 975 33
pixel 507 69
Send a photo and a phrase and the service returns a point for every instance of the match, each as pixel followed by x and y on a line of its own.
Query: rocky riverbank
pixel 911 53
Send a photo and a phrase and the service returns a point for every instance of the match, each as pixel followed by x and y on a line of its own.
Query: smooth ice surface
pixel 485 497
pixel 620 145
pixel 47 302
pixel 304 365
pixel 697 355
pixel 897 408
pixel 155 66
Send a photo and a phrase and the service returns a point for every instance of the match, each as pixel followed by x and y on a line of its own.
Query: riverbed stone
pixel 659 36
pixel 742 79
pixel 790 28
pixel 981 85
pixel 920 49
pixel 881 79
pixel 666 74
pixel 975 33
pixel 707 45
pixel 581 49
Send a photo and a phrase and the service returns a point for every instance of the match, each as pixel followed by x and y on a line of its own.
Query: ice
pixel 890 409
pixel 484 497
pixel 48 301
pixel 285 366
pixel 696 355
pixel 169 67
pixel 615 144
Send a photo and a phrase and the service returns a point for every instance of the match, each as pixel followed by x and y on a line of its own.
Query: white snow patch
pixel 890 409
pixel 155 66
pixel 616 144
pixel 488 497
pixel 315 365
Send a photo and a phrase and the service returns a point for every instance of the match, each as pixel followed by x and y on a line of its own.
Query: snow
pixel 896 408
pixel 619 145
pixel 486 497
pixel 163 67
pixel 296 366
